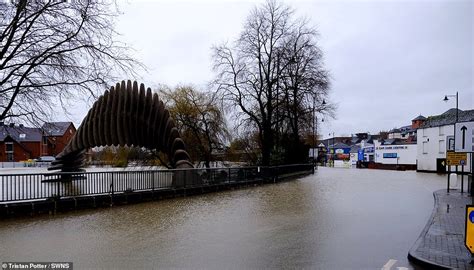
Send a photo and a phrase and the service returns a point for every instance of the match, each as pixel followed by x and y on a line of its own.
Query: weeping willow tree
pixel 200 121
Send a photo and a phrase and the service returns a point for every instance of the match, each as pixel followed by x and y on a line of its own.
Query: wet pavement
pixel 441 242
pixel 335 219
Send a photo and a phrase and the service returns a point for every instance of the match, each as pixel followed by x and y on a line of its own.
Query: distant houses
pixel 19 143
pixel 420 146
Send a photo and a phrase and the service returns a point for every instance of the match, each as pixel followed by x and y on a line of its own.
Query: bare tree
pixel 200 121
pixel 305 89
pixel 270 72
pixel 52 50
pixel 248 73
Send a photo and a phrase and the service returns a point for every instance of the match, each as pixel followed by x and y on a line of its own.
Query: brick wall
pixel 56 144
pixel 21 152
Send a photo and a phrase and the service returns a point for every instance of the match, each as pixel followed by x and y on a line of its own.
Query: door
pixel 441 165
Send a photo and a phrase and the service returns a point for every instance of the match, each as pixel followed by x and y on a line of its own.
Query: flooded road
pixel 334 219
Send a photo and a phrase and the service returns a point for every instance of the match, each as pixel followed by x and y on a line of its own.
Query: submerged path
pixel 334 219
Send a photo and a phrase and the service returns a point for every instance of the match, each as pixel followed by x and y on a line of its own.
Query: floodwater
pixel 334 219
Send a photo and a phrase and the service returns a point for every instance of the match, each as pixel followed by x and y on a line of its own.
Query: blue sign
pixel 471 216
pixel 389 155
pixel 360 154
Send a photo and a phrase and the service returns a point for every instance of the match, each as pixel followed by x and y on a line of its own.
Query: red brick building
pixel 56 136
pixel 18 143
pixel 417 122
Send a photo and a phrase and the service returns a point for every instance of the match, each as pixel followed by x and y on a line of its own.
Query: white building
pixel 395 153
pixel 403 132
pixel 432 140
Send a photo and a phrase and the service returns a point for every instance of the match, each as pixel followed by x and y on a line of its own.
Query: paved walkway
pixel 441 243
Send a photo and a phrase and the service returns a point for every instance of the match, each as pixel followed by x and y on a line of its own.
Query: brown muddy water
pixel 334 219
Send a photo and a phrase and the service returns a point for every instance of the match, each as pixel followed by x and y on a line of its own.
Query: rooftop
pixel 448 118
pixel 56 128
pixel 339 145
pixel 20 133
pixel 419 117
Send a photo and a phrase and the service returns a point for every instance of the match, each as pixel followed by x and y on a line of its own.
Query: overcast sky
pixel 389 60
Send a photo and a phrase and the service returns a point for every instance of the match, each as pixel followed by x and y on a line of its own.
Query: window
pixel 22 135
pixel 8 147
pixel 441 130
pixel 9 151
pixel 441 146
pixel 425 147
pixel 450 144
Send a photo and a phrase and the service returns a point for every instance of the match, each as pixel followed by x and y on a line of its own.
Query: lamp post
pixel 446 98
pixel 315 126
pixel 333 150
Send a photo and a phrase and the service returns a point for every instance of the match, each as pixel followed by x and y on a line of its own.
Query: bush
pixel 122 163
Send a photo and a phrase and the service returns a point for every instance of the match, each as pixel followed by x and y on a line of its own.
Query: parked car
pixel 46 159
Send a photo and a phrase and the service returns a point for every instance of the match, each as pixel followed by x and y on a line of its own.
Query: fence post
pixel 153 181
pixel 58 189
pixel 112 189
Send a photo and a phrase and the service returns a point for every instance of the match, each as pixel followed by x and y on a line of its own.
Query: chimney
pixel 2 124
pixel 12 124
pixel 21 125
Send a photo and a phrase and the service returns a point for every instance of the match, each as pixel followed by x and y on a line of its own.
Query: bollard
pixel 449 174
pixel 454 183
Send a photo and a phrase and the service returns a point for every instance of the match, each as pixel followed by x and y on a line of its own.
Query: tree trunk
pixel 267 145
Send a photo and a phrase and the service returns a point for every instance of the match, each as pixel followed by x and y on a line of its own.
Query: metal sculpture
pixel 125 115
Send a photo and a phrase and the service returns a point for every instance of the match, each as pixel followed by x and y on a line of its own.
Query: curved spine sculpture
pixel 125 115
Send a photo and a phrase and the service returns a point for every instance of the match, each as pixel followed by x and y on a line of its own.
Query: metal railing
pixel 37 186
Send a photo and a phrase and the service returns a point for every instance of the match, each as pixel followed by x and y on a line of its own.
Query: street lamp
pixel 446 98
pixel 333 150
pixel 315 126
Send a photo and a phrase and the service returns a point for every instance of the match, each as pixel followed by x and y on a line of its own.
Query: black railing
pixel 22 187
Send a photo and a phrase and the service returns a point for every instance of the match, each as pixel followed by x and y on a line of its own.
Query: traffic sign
pixel 469 232
pixel 453 158
pixel 464 137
